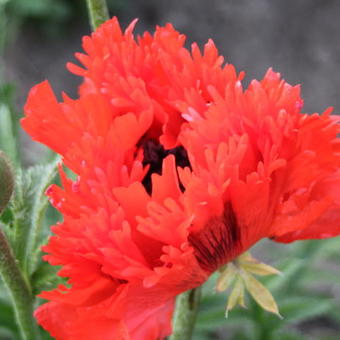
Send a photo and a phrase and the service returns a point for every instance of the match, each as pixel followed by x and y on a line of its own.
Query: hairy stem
pixel 19 291
pixel 185 314
pixel 98 12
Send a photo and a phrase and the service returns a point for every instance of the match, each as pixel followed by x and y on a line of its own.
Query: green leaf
pixel 7 319
pixel 284 282
pixel 38 8
pixel 39 206
pixel 301 308
pixel 45 278
pixel 322 276
pixel 211 313
pixel 28 206
pixel 6 334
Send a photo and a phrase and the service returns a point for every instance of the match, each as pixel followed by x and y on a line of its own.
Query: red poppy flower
pixel 179 171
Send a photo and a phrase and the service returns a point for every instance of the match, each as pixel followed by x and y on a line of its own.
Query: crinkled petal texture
pixel 179 170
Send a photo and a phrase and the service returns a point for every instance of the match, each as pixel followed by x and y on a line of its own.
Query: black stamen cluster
pixel 154 153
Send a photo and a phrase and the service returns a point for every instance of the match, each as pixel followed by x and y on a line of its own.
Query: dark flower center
pixel 218 241
pixel 154 153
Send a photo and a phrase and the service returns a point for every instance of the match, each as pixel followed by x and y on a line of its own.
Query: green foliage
pixel 49 16
pixel 38 8
pixel 302 293
pixel 45 277
pixel 55 10
pixel 27 209
pixel 27 228
pixel 8 326
pixel 26 219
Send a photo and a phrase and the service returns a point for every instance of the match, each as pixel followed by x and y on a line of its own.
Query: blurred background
pixel 300 39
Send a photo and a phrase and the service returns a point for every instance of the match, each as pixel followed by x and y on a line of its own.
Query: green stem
pixel 185 314
pixel 19 290
pixel 98 12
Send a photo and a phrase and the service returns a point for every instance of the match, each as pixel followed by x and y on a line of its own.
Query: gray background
pixel 298 38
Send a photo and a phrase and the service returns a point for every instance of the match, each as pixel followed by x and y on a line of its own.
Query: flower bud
pixel 6 181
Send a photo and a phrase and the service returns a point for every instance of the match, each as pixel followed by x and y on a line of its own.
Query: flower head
pixel 179 170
